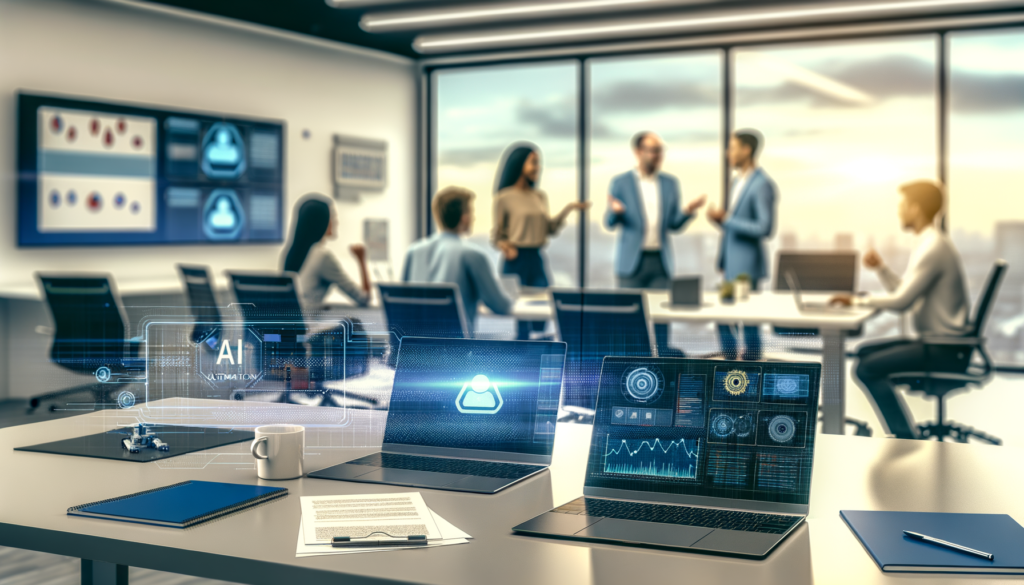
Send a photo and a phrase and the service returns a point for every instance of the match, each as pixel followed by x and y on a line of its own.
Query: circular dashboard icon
pixel 643 384
pixel 782 428
pixel 736 382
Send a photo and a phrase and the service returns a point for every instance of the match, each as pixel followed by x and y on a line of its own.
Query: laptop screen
pixel 476 394
pixel 738 430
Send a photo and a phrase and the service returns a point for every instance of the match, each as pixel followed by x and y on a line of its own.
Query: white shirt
pixel 737 189
pixel 933 288
pixel 650 194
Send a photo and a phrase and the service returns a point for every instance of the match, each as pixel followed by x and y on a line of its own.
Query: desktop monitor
pixel 98 173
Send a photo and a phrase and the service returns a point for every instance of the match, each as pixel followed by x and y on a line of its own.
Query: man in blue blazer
pixel 646 203
pixel 749 221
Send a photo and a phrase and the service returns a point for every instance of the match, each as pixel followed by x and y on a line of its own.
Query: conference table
pixel 777 309
pixel 257 546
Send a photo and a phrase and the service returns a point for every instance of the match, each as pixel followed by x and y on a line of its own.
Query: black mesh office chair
pixel 951 367
pixel 595 325
pixel 90 333
pixel 201 300
pixel 273 296
pixel 424 310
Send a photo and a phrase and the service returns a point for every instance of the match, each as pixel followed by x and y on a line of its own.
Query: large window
pixel 680 98
pixel 482 111
pixel 986 172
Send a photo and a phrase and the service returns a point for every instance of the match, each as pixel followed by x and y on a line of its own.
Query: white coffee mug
pixel 284 449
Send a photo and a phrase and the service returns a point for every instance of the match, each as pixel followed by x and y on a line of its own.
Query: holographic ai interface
pixel 100 173
pixel 476 394
pixel 709 428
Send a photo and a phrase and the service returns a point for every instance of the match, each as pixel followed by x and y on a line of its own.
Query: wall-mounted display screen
pixel 102 173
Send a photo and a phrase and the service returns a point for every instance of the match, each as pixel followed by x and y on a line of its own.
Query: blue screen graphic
pixel 103 173
pixel 476 394
pixel 676 459
pixel 792 388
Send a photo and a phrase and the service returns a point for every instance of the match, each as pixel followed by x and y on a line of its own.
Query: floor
pixel 992 409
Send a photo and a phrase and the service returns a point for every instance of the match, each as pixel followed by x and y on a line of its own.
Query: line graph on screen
pixel 673 459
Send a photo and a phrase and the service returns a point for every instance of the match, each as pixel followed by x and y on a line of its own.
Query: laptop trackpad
pixel 411 477
pixel 738 542
pixel 485 485
pixel 343 471
pixel 556 524
pixel 645 532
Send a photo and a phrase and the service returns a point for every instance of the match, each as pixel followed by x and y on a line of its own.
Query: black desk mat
pixel 107 445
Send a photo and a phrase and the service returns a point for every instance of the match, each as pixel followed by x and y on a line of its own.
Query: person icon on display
pixel 223 217
pixel 222 151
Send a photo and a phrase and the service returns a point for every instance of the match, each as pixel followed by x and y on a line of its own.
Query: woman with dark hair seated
pixel 316 265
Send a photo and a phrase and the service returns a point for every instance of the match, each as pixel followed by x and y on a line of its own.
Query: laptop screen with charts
pixel 480 402
pixel 727 446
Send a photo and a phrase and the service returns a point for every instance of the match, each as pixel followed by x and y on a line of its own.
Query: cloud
pixel 647 96
pixel 978 92
pixel 559 121
pixel 468 157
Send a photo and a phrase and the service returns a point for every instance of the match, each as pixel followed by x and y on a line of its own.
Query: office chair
pixel 201 300
pixel 595 324
pixel 90 333
pixel 950 367
pixel 273 296
pixel 424 310
pixel 816 272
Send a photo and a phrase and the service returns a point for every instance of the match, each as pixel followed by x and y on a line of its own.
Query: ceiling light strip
pixel 377 22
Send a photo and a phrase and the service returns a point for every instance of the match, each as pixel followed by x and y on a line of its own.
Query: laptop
pixel 704 456
pixel 809 307
pixel 468 415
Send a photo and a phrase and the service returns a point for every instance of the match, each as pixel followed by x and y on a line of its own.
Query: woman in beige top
pixel 522 220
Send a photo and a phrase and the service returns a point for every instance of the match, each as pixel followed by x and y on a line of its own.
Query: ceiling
pixel 317 18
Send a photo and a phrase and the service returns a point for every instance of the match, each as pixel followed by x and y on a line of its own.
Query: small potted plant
pixel 741 287
pixel 726 292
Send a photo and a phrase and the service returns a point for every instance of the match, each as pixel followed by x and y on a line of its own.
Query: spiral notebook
pixel 180 505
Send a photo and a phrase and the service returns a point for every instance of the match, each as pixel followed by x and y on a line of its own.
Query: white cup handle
pixel 255 446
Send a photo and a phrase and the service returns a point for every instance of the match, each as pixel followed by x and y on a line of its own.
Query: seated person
pixel 447 257
pixel 933 289
pixel 316 265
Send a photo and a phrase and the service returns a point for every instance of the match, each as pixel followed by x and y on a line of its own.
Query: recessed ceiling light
pixel 619 28
pixel 475 14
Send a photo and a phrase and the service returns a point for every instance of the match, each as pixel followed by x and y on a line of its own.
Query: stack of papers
pixel 371 517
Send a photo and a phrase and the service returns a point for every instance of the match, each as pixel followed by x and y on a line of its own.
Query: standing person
pixel 446 256
pixel 933 289
pixel 645 202
pixel 523 221
pixel 316 265
pixel 748 222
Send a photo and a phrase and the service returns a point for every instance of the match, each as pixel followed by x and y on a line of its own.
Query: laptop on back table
pixel 699 455
pixel 465 415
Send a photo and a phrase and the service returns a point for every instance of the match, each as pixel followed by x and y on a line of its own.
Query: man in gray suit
pixel 646 203
pixel 748 222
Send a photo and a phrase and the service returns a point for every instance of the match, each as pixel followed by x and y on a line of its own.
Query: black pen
pixel 954 546
pixel 347 542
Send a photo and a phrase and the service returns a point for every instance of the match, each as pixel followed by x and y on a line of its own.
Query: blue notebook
pixel 881 533
pixel 180 505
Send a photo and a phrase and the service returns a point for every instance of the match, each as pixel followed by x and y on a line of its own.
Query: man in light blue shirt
pixel 447 257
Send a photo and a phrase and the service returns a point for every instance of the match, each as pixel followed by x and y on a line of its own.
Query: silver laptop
pixel 704 456
pixel 809 307
pixel 466 415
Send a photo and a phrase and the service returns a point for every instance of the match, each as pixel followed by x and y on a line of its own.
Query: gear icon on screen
pixel 736 382
pixel 723 425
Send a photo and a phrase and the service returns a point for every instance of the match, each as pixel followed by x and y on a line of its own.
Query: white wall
pixel 118 51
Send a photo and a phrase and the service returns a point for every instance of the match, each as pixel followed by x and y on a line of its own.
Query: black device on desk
pixel 465 415
pixel 698 455
pixel 686 291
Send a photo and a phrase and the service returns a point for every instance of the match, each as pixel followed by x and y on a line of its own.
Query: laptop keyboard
pixel 445 465
pixel 683 515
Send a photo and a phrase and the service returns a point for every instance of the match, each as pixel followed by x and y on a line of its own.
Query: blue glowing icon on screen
pixel 479 396
pixel 223 216
pixel 223 152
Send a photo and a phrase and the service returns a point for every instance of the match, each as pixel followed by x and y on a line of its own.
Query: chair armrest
pixel 951 340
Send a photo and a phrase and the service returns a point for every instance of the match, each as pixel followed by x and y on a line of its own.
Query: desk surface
pixel 775 308
pixel 258 546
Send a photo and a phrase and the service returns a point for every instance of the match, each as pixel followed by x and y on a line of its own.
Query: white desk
pixel 773 308
pixel 258 546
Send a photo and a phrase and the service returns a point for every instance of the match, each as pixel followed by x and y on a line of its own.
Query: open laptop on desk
pixel 810 307
pixel 466 415
pixel 698 455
